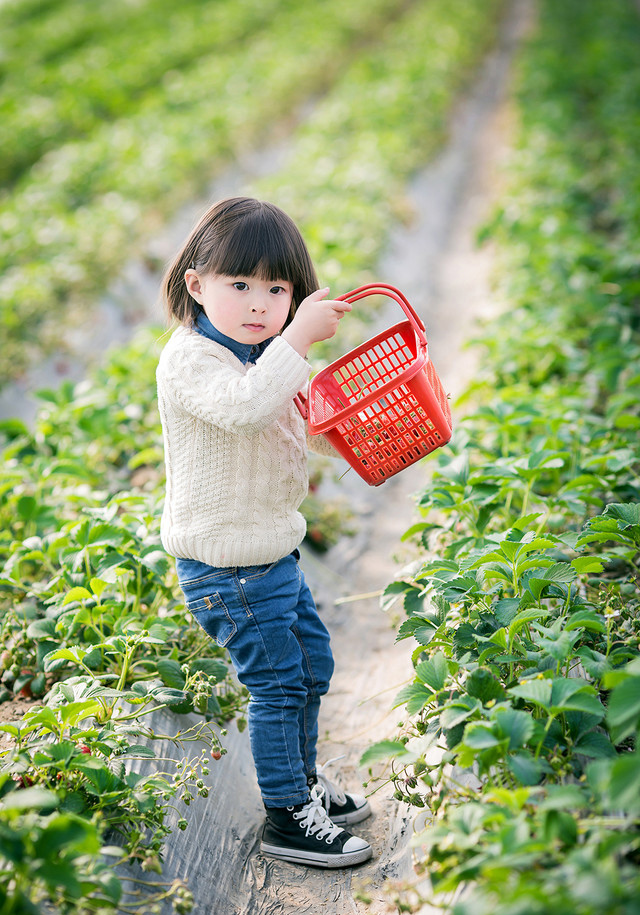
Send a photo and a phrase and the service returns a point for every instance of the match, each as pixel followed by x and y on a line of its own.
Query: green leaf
pixel 171 673
pixel 526 769
pixel 157 634
pixel 139 749
pixel 167 695
pixel 624 785
pixel 109 883
pixel 595 745
pixel 42 629
pixel 394 592
pixel 88 764
pixel 64 831
pixel 627 512
pixel 415 696
pixel 524 617
pixel 156 561
pixel 516 725
pixel 536 690
pixel 76 654
pixel 383 750
pixel 98 586
pixel 561 826
pixel 564 797
pixel 26 506
pixel 564 690
pixel 213 667
pixel 559 646
pixel 558 572
pixel 506 610
pixel 29 799
pixel 455 713
pixel 510 548
pixel 595 663
pixel 623 709
pixel 45 718
pixel 78 593
pixel 434 672
pixel 586 564
pixel 484 685
pixel 585 619
pixel 582 702
pixel 479 736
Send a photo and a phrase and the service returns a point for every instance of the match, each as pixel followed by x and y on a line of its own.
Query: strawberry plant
pixel 522 719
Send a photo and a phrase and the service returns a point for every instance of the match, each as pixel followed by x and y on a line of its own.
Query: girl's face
pixel 245 308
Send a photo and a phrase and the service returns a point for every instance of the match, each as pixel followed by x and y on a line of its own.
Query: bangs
pixel 261 245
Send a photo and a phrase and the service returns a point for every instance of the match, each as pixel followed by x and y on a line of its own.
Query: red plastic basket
pixel 382 406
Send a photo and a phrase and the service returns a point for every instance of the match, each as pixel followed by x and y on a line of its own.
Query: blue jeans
pixel 267 620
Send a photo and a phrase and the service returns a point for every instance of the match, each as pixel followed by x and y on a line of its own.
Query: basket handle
pixel 360 293
pixel 301 403
pixel 385 289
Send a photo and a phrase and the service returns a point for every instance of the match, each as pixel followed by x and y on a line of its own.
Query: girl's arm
pixel 210 388
pixel 319 445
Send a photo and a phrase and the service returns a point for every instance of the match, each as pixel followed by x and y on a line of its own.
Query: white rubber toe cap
pixel 355 844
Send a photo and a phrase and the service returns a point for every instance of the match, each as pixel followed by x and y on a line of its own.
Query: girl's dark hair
pixel 240 236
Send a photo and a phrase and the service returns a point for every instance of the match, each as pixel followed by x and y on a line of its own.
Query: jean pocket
pixel 212 614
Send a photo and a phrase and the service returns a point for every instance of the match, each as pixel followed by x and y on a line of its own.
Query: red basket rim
pixel 317 428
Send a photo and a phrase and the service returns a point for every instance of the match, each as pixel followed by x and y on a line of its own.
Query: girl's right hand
pixel 316 319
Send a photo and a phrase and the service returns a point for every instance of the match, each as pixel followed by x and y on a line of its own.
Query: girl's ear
pixel 194 287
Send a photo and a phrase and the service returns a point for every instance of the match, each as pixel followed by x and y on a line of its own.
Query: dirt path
pixel 436 263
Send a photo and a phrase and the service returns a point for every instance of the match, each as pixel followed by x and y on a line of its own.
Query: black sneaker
pixel 304 834
pixel 344 808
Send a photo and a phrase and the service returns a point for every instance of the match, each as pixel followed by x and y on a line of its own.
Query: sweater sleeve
pixel 320 445
pixel 207 385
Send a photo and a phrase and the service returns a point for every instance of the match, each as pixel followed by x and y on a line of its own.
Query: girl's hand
pixel 316 319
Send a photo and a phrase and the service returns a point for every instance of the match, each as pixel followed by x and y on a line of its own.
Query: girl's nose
pixel 258 305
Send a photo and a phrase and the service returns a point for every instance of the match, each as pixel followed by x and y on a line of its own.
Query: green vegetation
pixel 523 717
pixel 94 631
pixel 99 194
pixel 350 162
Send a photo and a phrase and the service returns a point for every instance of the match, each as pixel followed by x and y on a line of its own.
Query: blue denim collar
pixel 244 351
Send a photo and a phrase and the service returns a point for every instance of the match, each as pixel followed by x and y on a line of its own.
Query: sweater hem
pixel 234 555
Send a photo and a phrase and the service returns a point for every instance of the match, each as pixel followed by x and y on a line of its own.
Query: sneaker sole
pixel 296 856
pixel 356 816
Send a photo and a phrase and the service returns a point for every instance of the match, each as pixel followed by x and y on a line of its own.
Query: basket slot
pixel 393 428
pixel 367 371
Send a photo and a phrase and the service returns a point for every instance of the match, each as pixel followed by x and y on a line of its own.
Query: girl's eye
pixel 240 285
pixel 277 289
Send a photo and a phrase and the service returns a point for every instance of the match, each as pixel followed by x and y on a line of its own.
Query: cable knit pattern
pixel 235 451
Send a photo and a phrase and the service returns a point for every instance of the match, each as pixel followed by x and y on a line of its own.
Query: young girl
pixel 244 291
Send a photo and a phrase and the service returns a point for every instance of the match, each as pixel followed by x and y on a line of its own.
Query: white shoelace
pixel 331 790
pixel 313 817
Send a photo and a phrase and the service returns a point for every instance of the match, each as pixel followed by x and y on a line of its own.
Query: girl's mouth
pixel 254 327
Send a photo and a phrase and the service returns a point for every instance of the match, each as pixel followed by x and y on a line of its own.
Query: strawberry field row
pixel 522 721
pixel 68 225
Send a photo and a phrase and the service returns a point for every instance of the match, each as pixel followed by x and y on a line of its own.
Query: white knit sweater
pixel 235 451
